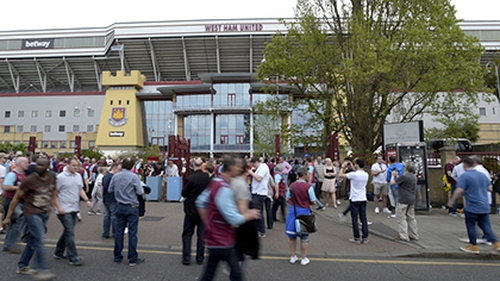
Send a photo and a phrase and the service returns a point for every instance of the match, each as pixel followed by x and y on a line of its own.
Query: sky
pixel 36 14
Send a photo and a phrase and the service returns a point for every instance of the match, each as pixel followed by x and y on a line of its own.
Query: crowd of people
pixel 230 202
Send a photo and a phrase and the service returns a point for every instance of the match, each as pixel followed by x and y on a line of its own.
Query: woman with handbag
pixel 300 196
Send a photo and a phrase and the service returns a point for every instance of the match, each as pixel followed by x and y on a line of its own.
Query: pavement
pixel 161 228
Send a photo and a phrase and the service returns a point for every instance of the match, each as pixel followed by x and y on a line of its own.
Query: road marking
pixel 344 260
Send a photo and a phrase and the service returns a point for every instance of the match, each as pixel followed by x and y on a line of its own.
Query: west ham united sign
pixel 117 117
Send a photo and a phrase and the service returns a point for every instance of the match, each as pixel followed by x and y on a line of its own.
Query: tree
pixel 455 128
pixel 361 63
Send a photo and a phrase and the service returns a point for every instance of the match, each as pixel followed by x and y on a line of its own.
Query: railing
pixel 433 160
pixel 491 160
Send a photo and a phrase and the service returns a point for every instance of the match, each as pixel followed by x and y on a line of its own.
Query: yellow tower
pixel 121 126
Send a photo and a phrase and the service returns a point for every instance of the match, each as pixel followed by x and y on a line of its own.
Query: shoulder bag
pixel 303 223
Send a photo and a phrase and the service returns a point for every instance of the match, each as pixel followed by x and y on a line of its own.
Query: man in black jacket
pixel 195 184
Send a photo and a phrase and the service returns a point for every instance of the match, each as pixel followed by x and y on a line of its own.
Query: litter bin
pixel 155 184
pixel 174 188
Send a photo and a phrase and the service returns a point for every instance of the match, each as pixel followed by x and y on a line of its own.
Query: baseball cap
pixel 19 153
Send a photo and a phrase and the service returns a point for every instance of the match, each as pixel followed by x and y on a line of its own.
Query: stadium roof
pixel 55 60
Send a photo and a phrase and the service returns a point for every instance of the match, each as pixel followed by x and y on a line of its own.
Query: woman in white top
pixel 329 183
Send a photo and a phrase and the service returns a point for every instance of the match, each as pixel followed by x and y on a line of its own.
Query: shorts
pixel 304 237
pixel 380 188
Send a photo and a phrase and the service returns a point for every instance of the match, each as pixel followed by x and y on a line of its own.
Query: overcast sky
pixel 36 14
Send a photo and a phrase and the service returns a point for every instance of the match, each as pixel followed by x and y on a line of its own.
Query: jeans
pixel 218 254
pixel 279 203
pixel 36 225
pixel 109 220
pixel 12 233
pixel 395 195
pixel 126 214
pixel 359 208
pixel 407 224
pixel 453 210
pixel 317 189
pixel 67 239
pixel 285 179
pixel 190 222
pixel 269 213
pixel 259 201
pixel 483 221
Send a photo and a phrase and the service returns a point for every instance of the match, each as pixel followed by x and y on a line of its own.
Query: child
pixel 97 192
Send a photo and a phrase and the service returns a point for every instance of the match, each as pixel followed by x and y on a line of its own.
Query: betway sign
pixel 37 44
pixel 247 27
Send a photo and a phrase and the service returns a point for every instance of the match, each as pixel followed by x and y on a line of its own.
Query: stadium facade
pixel 133 84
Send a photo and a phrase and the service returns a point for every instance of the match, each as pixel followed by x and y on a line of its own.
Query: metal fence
pixel 491 160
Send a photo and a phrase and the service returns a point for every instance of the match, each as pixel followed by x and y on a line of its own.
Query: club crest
pixel 117 117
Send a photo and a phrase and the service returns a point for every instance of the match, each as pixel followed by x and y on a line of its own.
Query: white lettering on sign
pixel 234 27
pixel 37 44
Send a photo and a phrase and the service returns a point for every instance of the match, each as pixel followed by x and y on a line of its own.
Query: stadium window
pixel 128 102
pixel 7 114
pixel 47 128
pixel 90 113
pixel 62 128
pixel 48 113
pixel 63 144
pixel 76 128
pixel 20 114
pixel 90 128
pixel 33 128
pixel 110 102
pixel 62 113
pixel 34 114
pixel 19 128
pixel 6 129
pixel 493 111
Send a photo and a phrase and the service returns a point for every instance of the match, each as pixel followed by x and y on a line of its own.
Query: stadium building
pixel 132 84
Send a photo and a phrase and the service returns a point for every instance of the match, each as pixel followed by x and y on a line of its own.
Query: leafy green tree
pixel 5 147
pixel 360 64
pixel 454 128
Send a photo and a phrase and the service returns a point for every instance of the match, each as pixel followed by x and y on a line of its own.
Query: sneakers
pixel 387 211
pixel 367 223
pixel 26 271
pixel 44 276
pixel 305 261
pixel 126 230
pixel 90 213
pixel 354 240
pixel 138 261
pixel 399 238
pixel 496 246
pixel 377 211
pixel 392 216
pixel 483 241
pixel 320 208
pixel 99 213
pixel 76 261
pixel 364 241
pixel 13 250
pixel 79 216
pixel 262 235
pixel 470 249
pixel 340 203
pixel 293 259
pixel 342 217
pixel 60 257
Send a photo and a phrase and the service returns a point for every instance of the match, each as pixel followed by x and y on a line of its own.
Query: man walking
pixel 448 169
pixel 357 197
pixel 405 210
pixel 218 210
pixel 259 189
pixel 380 186
pixel 474 186
pixel 39 193
pixel 69 190
pixel 109 219
pixel 319 176
pixel 195 184
pixel 126 186
pixel 10 186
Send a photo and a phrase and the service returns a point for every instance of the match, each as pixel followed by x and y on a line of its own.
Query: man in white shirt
pixel 259 189
pixel 357 197
pixel 172 170
pixel 380 186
